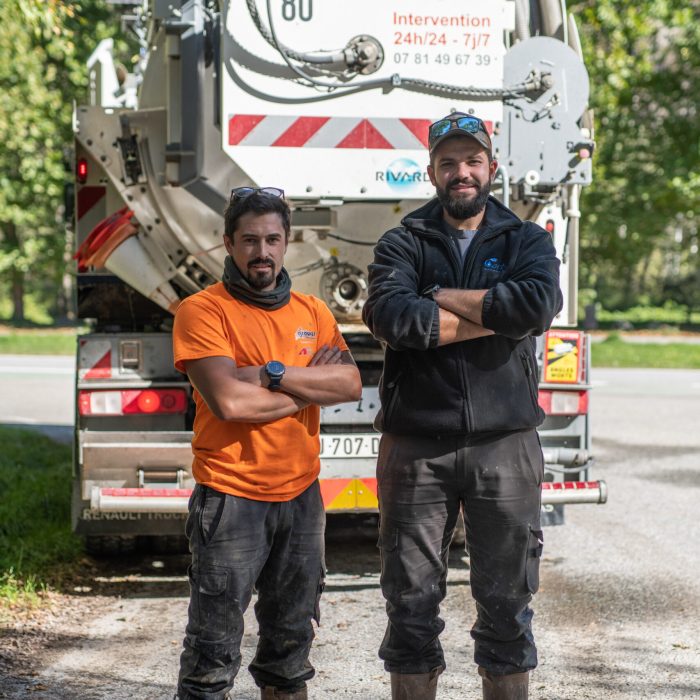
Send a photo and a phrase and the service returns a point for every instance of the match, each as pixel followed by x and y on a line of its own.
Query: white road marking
pixel 10 369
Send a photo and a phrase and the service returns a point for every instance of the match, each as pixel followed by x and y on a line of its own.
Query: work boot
pixel 415 686
pixel 269 692
pixel 514 686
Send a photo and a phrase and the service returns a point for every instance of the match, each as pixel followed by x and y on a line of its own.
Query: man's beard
pixel 461 208
pixel 259 280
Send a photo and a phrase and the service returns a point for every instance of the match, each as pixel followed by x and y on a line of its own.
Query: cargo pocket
pixel 532 564
pixel 319 592
pixel 212 617
pixel 211 508
pixel 388 541
pixel 193 511
pixel 535 457
pixel 391 575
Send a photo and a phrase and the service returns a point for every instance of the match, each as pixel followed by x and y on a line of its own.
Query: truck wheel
pixel 109 545
pixel 166 544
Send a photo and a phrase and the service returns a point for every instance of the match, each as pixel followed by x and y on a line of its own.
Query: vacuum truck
pixel 330 102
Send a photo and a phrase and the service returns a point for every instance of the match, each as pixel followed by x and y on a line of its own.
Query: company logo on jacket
pixel 494 264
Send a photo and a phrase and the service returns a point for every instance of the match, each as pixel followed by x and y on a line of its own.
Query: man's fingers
pixel 337 357
pixel 327 356
pixel 317 355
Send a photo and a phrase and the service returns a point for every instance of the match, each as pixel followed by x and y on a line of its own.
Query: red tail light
pixel 81 171
pixel 563 403
pixel 131 402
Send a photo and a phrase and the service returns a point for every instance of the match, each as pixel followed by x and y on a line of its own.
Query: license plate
pixel 353 445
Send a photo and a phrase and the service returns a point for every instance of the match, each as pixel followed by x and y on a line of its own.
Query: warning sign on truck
pixel 563 357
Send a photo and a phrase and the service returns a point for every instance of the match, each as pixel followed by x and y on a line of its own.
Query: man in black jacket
pixel 457 293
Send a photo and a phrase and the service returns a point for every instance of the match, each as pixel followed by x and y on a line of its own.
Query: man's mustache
pixel 261 261
pixel 464 181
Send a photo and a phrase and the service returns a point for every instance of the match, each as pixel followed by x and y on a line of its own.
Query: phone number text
pixel 444 59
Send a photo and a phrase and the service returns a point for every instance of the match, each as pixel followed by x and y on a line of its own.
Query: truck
pixel 330 102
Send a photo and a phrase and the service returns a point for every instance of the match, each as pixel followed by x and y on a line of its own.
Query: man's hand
pixel 467 303
pixel 455 329
pixel 330 377
pixel 326 355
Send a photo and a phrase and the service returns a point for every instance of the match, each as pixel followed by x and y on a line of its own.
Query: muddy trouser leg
pixel 418 507
pixel 289 589
pixel 230 540
pixel 502 522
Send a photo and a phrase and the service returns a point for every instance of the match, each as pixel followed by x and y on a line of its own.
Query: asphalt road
pixel 38 391
pixel 617 615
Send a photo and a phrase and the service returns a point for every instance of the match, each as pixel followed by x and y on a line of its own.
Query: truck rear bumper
pixel 561 492
pixel 144 500
pixel 139 500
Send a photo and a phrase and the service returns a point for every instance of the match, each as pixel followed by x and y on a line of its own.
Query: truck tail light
pixel 132 402
pixel 563 403
pixel 81 171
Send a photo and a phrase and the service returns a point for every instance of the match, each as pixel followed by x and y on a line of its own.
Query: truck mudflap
pixel 339 495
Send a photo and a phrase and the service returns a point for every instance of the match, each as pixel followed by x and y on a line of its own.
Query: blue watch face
pixel 275 368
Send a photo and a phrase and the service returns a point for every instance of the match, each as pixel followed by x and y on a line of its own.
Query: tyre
pixel 109 545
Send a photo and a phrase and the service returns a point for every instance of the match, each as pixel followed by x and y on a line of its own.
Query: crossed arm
pixel 240 394
pixel 460 314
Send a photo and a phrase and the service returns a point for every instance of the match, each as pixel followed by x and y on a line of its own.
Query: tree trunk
pixel 17 296
pixel 642 279
pixel 16 276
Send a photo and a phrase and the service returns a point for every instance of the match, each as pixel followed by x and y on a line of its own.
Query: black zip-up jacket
pixel 474 386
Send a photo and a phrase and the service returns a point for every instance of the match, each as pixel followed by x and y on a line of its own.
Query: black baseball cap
pixel 458 123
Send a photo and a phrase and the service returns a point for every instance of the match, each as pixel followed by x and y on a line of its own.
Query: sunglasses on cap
pixel 472 125
pixel 243 192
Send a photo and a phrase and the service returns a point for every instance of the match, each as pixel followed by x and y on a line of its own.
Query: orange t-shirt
pixel 274 461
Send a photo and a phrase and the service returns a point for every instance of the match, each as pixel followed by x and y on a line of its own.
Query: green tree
pixel 640 221
pixel 43 48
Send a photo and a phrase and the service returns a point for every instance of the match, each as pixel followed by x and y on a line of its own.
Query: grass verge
pixel 36 542
pixel 37 343
pixel 615 352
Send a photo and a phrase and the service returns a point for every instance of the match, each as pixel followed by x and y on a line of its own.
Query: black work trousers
pixel 423 483
pixel 238 544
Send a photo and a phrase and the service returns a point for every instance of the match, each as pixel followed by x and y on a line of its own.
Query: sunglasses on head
pixel 243 192
pixel 470 124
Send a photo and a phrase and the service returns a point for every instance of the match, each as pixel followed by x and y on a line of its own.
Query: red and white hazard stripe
pixel 327 132
pixel 88 196
pixel 95 359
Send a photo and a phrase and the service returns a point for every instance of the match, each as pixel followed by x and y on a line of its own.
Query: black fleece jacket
pixel 475 386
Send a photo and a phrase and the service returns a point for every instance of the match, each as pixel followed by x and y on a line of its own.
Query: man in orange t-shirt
pixel 261 359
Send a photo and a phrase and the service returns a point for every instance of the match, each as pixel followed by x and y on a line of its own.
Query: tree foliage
pixel 641 213
pixel 640 225
pixel 43 48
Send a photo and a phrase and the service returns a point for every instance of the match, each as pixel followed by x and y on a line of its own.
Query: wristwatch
pixel 275 371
